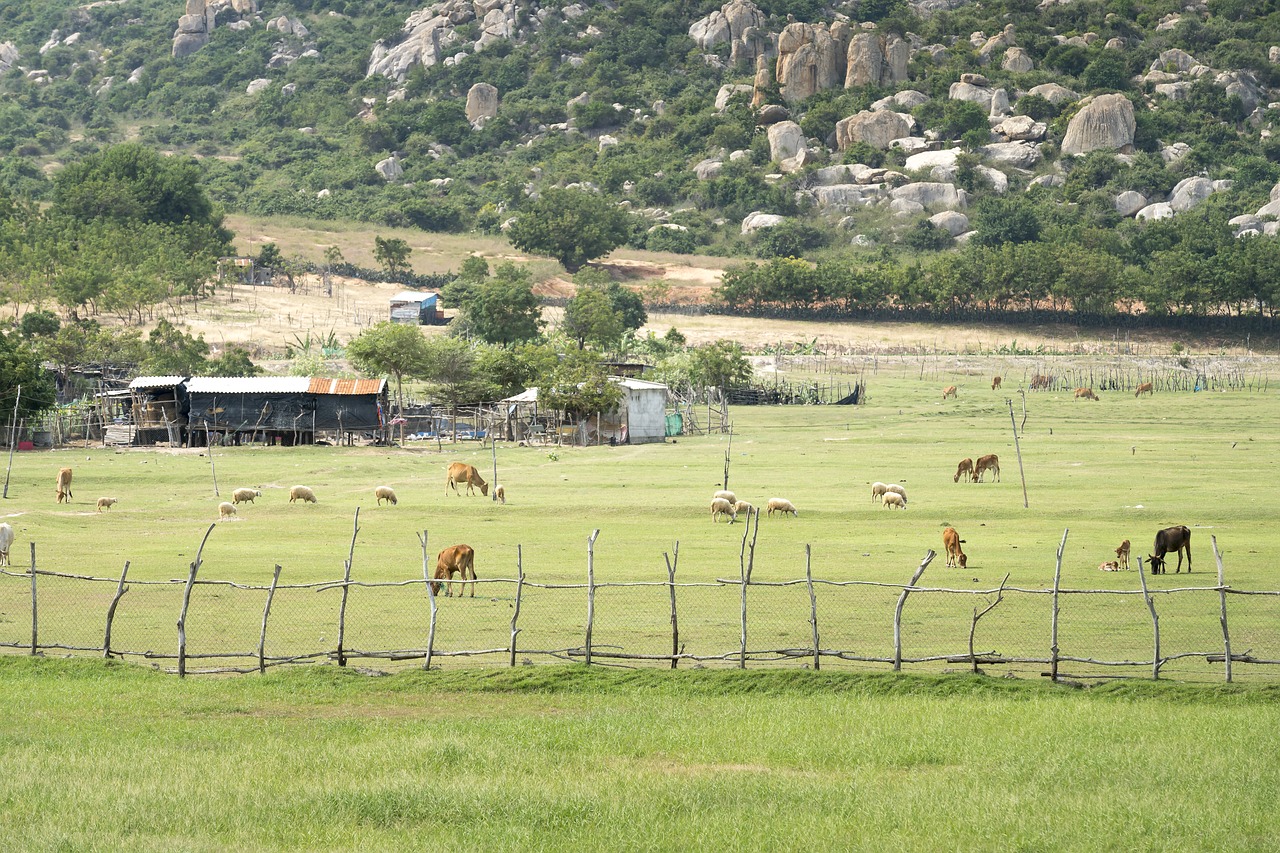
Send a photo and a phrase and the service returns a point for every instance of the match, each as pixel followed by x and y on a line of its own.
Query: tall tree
pixel 393 348
pixel 503 309
pixel 392 254
pixel 572 226
pixel 20 365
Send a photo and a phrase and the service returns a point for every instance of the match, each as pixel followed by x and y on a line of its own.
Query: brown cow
pixel 1144 388
pixel 1122 555
pixel 990 462
pixel 995 383
pixel 456 559
pixel 64 485
pixel 966 468
pixel 461 472
pixel 951 541
pixel 949 391
pixel 1039 382
pixel 1086 393
pixel 1171 539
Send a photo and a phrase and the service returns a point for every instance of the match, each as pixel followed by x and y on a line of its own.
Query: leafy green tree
pixel 588 317
pixel 171 351
pixel 392 254
pixel 572 226
pixel 234 361
pixel 580 387
pixel 39 324
pixel 503 309
pixel 1010 219
pixel 20 365
pixel 720 364
pixel 393 348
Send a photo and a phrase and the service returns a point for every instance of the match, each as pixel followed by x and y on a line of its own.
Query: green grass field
pixel 1109 470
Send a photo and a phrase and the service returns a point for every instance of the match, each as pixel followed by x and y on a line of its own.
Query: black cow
pixel 1171 539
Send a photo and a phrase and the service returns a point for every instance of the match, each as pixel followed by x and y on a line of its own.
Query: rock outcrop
pixel 1104 124
pixel 810 60
pixel 8 56
pixel 786 140
pixel 741 24
pixel 482 103
pixel 876 128
pixel 873 59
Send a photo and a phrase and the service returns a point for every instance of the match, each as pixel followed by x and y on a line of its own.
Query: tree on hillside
pixel 171 351
pixel 572 226
pixel 503 309
pixel 392 254
pixel 390 348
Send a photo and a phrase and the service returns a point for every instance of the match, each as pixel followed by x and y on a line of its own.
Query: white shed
pixel 641 417
pixel 643 410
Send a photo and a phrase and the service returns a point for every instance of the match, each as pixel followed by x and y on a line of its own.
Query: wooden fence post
pixel 431 598
pixel 519 595
pixel 266 611
pixel 973 626
pixel 671 587
pixel 1155 622
pixel 897 611
pixel 1053 622
pixel 813 605
pixel 186 602
pixel 1222 596
pixel 121 589
pixel 591 589
pixel 346 589
pixel 35 641
pixel 1017 446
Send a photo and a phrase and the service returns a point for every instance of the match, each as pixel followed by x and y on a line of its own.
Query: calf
pixel 456 559
pixel 949 391
pixel 990 462
pixel 1085 393
pixel 64 485
pixel 1039 382
pixel 1144 388
pixel 1122 555
pixel 1171 539
pixel 951 541
pixel 966 468
pixel 995 383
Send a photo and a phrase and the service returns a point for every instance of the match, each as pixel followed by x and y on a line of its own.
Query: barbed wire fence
pixel 1059 633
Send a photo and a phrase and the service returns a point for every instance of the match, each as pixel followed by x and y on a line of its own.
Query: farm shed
pixel 158 409
pixel 640 418
pixel 416 307
pixel 288 409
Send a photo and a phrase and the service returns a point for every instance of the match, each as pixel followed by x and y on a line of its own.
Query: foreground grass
pixel 101 756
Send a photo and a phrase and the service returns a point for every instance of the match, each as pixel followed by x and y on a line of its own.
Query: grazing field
pixel 1120 468
pixel 110 757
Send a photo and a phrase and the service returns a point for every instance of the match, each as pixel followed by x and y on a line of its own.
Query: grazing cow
pixel 456 559
pixel 949 391
pixel 1086 393
pixel 64 485
pixel 461 472
pixel 966 468
pixel 1144 388
pixel 1122 555
pixel 1171 539
pixel 995 383
pixel 991 463
pixel 1039 382
pixel 6 542
pixel 951 541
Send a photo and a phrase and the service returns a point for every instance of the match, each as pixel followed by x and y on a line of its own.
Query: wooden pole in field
pixel 186 603
pixel 1222 596
pixel 346 590
pixel 742 650
pixel 671 587
pixel 121 589
pixel 973 626
pixel 493 445
pixel 813 605
pixel 431 598
pixel 1155 622
pixel 13 439
pixel 591 589
pixel 1018 448
pixel 519 595
pixel 35 644
pixel 1053 625
pixel 266 611
pixel 897 612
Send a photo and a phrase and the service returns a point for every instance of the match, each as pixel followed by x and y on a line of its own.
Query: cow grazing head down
pixel 1168 540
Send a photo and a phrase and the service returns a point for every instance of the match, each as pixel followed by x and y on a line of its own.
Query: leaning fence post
pixel 346 590
pixel 897 612
pixel 1155 621
pixel 671 587
pixel 431 597
pixel 1222 596
pixel 742 648
pixel 1053 624
pixel 813 604
pixel 519 595
pixel 121 589
pixel 35 644
pixel 266 611
pixel 186 602
pixel 591 589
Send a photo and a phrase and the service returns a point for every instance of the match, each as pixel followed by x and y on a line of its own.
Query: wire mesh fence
pixel 1195 632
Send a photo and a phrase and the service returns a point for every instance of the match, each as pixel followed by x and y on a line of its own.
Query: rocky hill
pixel 869 124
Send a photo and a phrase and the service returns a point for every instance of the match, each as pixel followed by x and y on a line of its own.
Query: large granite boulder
pixel 951 221
pixel 1189 193
pixel 875 128
pixel 1130 202
pixel 945 159
pixel 1021 128
pixel 1159 210
pixel 1054 94
pixel 756 220
pixel 738 22
pixel 809 61
pixel 786 140
pixel 1019 155
pixel 1017 60
pixel 1104 124
pixel 390 168
pixel 931 195
pixel 482 103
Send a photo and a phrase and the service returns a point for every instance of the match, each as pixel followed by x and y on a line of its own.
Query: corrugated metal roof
pixel 637 384
pixel 320 385
pixel 248 384
pixel 414 296
pixel 156 381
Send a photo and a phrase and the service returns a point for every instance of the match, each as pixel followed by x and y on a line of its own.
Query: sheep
pixel 781 505
pixel 895 488
pixel 245 495
pixel 107 503
pixel 500 493
pixel 877 491
pixel 385 493
pixel 302 493
pixel 742 506
pixel 719 507
pixel 6 541
pixel 226 510
pixel 727 495
pixel 893 499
